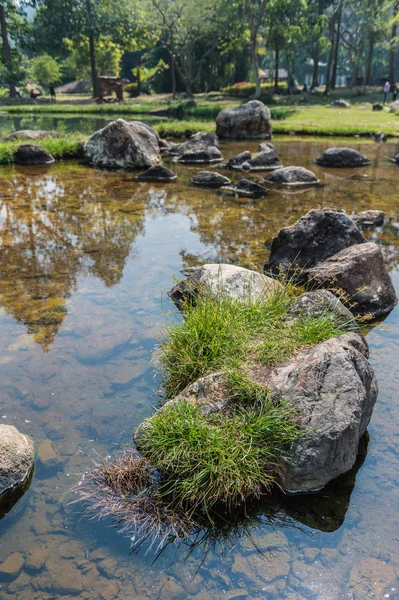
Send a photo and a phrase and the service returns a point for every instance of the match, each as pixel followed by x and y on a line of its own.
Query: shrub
pixel 132 89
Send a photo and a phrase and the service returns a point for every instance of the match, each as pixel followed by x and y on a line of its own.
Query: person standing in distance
pixel 387 87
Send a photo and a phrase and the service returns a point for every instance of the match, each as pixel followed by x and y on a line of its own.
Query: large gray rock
pixel 123 145
pixel 251 121
pixel 198 142
pixel 334 389
pixel 341 158
pixel 16 458
pixel 31 154
pixel 292 176
pixel 321 302
pixel 313 238
pixel 33 135
pixel 360 272
pixel 231 281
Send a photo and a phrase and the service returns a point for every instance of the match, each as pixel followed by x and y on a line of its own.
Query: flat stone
pixel 264 161
pixel 246 188
pixel 40 403
pixel 209 154
pixel 198 142
pixel 210 179
pixel 292 176
pixel 342 158
pixel 369 218
pixel 11 567
pixel 372 578
pixel 129 373
pixel 33 134
pixel 237 161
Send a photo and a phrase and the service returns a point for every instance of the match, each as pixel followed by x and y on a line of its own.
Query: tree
pixel 107 56
pixel 12 26
pixel 46 70
pixel 255 11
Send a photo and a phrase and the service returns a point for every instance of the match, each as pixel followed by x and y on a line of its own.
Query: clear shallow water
pixel 86 259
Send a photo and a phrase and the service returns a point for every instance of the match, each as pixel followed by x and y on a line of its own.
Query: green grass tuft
pixel 68 147
pixel 210 459
pixel 218 333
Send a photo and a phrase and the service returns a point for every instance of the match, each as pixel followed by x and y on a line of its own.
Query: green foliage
pixel 219 333
pixel 217 458
pixel 45 70
pixel 132 89
pixel 146 74
pixel 108 57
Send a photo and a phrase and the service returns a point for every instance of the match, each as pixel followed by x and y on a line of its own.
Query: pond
pixel 87 257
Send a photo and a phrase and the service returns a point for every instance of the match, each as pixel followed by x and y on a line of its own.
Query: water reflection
pixel 86 258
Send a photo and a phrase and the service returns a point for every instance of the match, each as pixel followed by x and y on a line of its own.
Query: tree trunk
pixel 392 49
pixel 331 54
pixel 93 68
pixel 369 63
pixel 6 48
pixel 315 76
pixel 255 66
pixel 276 65
pixel 336 53
pixel 173 66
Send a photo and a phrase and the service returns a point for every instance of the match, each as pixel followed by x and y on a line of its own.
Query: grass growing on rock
pixel 216 458
pixel 218 333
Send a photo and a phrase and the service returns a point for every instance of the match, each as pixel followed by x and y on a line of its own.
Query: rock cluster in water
pixel 326 249
pixel 332 385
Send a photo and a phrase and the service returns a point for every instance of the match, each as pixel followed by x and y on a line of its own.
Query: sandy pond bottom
pixel 86 258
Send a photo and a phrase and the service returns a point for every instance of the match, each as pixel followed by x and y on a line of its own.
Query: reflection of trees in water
pixel 51 229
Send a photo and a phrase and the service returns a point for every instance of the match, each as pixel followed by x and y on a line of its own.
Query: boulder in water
pixel 16 458
pixel 123 145
pixel 313 238
pixel 292 176
pixel 210 179
pixel 196 143
pixel 247 188
pixel 31 154
pixel 369 218
pixel 250 121
pixel 359 271
pixel 341 158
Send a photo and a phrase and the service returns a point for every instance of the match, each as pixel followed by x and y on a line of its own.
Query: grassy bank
pixel 68 147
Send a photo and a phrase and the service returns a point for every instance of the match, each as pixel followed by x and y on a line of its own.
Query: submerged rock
pixel 251 121
pixel 359 271
pixel 31 154
pixel 341 158
pixel 210 179
pixel 369 218
pixel 246 188
pixel 292 176
pixel 395 157
pixel 234 282
pixel 157 173
pixel 33 134
pixel 16 458
pixel 313 238
pixel 123 145
pixel 334 388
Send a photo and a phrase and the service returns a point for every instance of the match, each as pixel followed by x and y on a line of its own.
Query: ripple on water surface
pixel 86 259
